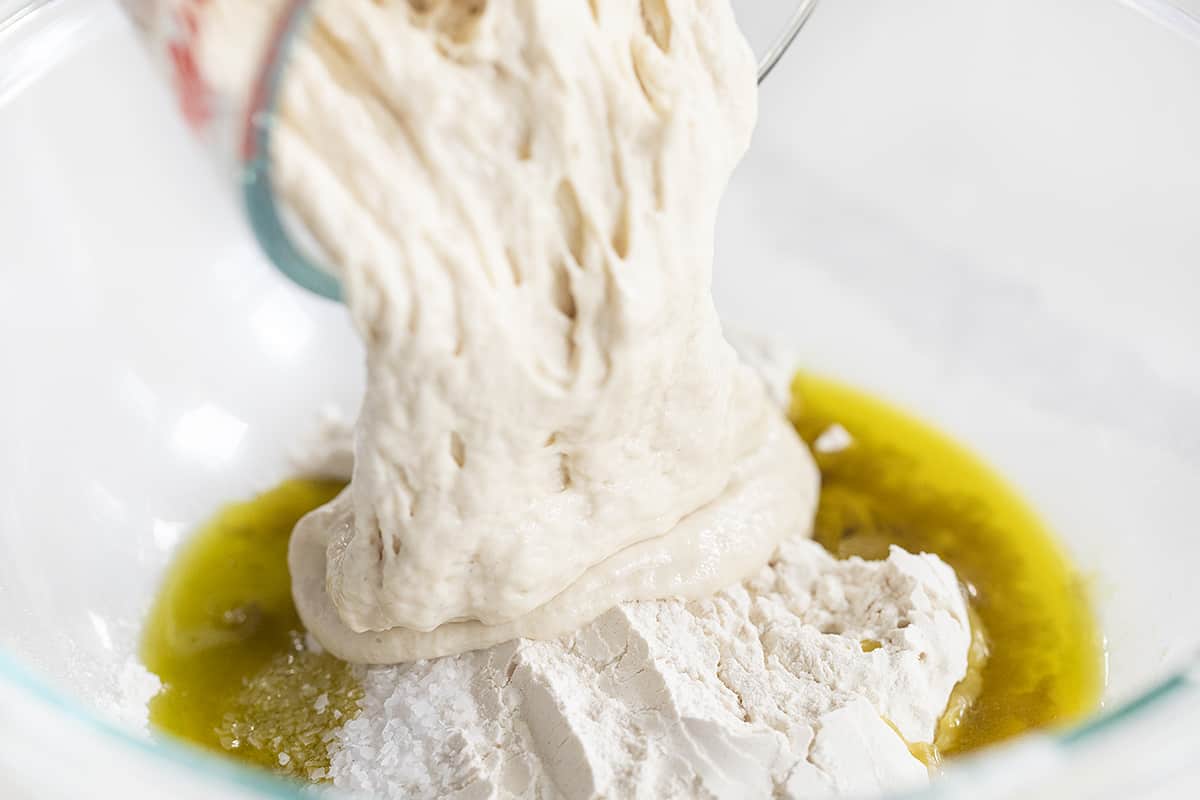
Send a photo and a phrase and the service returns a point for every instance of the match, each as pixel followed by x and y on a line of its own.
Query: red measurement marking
pixel 195 96
pixel 260 91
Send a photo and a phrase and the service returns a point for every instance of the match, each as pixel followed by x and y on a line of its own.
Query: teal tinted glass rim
pixel 214 767
pixel 204 765
pixel 257 193
pixel 1178 683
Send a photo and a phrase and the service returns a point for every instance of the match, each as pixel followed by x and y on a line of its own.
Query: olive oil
pixel 225 638
pixel 226 641
pixel 1037 659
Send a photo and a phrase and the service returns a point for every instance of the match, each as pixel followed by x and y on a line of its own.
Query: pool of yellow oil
pixel 1038 656
pixel 225 639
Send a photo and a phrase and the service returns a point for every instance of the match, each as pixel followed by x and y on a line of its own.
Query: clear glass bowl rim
pixel 1183 681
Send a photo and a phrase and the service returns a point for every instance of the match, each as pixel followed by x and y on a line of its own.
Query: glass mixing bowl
pixel 984 212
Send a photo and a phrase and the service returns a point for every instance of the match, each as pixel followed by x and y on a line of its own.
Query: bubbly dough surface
pixel 520 196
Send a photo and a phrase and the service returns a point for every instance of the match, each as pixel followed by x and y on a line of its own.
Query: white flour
pixel 764 690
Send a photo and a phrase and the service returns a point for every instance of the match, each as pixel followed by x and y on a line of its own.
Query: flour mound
pixel 765 689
